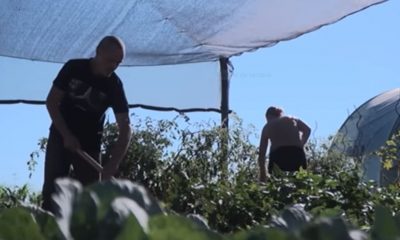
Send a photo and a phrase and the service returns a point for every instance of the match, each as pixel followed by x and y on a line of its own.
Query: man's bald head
pixel 109 54
pixel 110 43
pixel 273 112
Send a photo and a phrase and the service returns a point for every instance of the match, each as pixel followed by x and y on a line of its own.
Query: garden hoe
pixel 92 162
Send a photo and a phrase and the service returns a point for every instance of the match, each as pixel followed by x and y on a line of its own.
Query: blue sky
pixel 320 77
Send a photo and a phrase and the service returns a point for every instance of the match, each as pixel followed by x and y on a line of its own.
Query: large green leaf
pixel 178 228
pixel 262 233
pixel 131 230
pixel 103 210
pixel 326 229
pixel 46 222
pixel 199 220
pixel 385 226
pixel 108 190
pixel 358 235
pixel 119 215
pixel 67 191
pixel 124 220
pixel 291 218
pixel 18 223
pixel 84 220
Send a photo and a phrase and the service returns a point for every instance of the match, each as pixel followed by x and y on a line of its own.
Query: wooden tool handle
pixel 90 160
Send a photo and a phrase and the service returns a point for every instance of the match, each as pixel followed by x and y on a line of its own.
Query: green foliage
pixel 184 166
pixel 14 196
pixel 178 228
pixel 104 210
pixel 389 155
pixel 386 227
pixel 132 213
pixel 17 223
pixel 32 162
pixel 321 160
pixel 165 157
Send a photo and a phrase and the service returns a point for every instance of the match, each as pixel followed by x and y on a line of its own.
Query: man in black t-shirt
pixel 81 93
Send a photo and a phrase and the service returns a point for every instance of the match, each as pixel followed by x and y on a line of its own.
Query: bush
pixel 186 168
pixel 120 209
pixel 14 196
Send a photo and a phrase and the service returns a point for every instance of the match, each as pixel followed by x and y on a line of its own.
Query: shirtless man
pixel 288 136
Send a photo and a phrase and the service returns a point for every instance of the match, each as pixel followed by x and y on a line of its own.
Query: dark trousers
pixel 58 161
pixel 287 158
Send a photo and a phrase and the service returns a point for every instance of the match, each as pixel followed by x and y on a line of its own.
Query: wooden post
pixel 224 93
pixel 224 117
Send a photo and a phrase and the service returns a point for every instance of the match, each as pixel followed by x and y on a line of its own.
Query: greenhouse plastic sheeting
pixel 367 129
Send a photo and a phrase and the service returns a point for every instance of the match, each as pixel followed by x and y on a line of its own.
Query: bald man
pixel 78 99
pixel 287 136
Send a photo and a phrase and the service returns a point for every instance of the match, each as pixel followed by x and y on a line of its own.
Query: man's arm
pixel 53 101
pixel 305 129
pixel 261 154
pixel 119 149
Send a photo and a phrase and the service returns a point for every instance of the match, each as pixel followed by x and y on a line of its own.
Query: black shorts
pixel 287 158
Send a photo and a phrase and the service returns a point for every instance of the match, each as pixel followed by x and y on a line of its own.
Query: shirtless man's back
pixel 288 136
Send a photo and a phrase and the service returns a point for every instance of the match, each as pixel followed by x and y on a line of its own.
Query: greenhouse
pixel 366 130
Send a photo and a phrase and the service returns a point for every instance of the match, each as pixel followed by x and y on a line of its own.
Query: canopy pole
pixel 224 117
pixel 224 93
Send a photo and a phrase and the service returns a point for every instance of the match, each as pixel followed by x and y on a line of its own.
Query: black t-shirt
pixel 87 97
